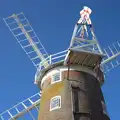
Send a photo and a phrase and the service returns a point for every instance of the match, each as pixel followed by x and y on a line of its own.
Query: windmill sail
pixel 112 58
pixel 27 38
pixel 26 109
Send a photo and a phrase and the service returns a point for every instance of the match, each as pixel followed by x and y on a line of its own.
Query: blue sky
pixel 53 21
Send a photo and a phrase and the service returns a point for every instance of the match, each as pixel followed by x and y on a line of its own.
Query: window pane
pixel 56 77
pixel 55 103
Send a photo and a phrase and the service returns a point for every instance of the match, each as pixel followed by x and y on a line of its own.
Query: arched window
pixel 55 103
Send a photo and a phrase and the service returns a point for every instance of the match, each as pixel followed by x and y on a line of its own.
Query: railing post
pixel 40 66
pixel 50 59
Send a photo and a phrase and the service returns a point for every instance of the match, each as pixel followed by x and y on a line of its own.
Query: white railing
pixel 59 57
pixel 50 60
pixel 55 58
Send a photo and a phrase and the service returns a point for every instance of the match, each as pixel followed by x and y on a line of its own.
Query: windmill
pixel 83 39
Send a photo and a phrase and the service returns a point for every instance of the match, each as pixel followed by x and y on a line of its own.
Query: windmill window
pixel 55 103
pixel 56 78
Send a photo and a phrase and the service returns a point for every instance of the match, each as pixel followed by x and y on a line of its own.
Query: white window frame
pixel 52 100
pixel 52 77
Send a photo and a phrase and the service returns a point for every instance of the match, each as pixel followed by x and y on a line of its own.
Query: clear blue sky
pixel 53 21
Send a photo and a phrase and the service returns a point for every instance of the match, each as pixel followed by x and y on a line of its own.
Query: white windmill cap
pixel 88 9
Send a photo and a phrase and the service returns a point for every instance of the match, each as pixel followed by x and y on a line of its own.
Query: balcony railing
pixel 50 60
